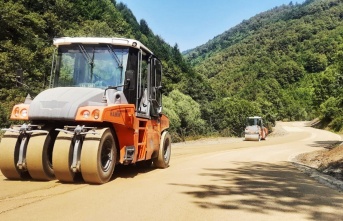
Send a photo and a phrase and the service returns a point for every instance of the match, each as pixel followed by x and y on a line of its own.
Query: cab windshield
pixel 253 121
pixel 95 66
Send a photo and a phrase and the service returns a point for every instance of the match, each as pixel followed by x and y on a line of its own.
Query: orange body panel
pixel 164 122
pixel 119 114
pixel 264 133
pixel 144 134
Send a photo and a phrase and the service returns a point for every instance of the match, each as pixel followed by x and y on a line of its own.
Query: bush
pixel 329 109
pixel 184 114
pixel 337 124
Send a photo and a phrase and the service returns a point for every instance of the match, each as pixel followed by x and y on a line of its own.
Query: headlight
pixel 96 114
pixel 86 114
pixel 23 113
pixel 89 114
pixel 16 112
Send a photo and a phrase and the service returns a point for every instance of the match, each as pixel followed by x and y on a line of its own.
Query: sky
pixel 191 23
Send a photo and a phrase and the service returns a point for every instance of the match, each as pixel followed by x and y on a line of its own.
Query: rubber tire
pixel 39 156
pixel 164 153
pixel 9 153
pixel 94 168
pixel 62 157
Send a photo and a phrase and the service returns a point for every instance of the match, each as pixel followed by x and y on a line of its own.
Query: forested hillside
pixel 29 26
pixel 284 64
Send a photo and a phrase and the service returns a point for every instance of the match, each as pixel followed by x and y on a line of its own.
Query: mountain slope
pixel 287 61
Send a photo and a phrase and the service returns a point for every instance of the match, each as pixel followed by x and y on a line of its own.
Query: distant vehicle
pixel 254 129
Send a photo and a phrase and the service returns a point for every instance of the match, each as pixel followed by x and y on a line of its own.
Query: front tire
pixel 62 157
pixel 9 155
pixel 98 157
pixel 162 161
pixel 39 155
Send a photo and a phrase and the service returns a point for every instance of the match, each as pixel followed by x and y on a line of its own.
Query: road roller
pixel 254 130
pixel 103 107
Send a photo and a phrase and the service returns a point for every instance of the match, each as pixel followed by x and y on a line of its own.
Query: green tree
pixel 315 62
pixel 187 120
pixel 229 115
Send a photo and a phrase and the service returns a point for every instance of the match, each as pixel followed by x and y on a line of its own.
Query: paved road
pixel 218 179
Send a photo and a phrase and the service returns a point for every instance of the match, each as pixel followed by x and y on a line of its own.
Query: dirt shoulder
pixel 328 161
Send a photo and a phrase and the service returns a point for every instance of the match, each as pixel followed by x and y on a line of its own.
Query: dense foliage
pixel 282 64
pixel 287 62
pixel 29 26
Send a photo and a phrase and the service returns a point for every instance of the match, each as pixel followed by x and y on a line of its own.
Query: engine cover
pixel 62 103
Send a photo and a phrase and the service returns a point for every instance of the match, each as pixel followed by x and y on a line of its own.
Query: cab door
pixel 155 87
pixel 155 91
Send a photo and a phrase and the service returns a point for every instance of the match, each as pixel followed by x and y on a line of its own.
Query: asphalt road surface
pixel 215 179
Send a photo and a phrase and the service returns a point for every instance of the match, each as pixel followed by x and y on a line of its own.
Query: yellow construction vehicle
pixel 103 107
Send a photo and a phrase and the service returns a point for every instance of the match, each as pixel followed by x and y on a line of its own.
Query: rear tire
pixel 162 161
pixel 98 157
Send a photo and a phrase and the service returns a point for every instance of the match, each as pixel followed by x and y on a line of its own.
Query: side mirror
pixel 130 82
pixel 160 88
pixel 19 77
